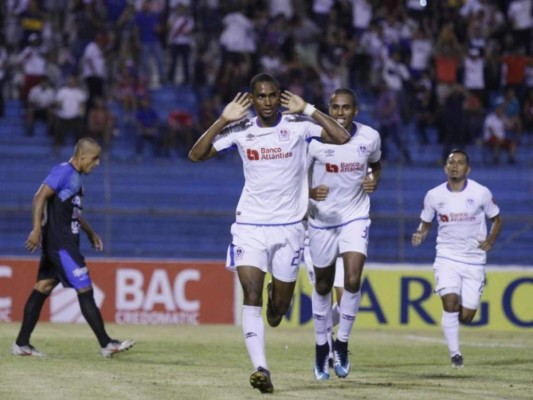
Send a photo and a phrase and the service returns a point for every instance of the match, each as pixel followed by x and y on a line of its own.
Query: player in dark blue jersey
pixel 57 221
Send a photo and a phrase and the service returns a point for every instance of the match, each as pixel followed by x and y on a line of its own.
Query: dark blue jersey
pixel 61 225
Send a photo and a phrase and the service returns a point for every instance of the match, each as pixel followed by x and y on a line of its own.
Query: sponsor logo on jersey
pixel 345 167
pixel 267 153
pixel 332 168
pixel 329 153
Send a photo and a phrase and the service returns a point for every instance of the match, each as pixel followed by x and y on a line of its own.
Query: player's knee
pixel 466 317
pixel 45 287
pixel 252 298
pixel 352 284
pixel 323 287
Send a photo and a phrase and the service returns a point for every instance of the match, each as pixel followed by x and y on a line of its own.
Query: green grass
pixel 211 362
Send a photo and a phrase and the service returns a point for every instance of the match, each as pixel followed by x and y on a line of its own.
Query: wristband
pixel 309 109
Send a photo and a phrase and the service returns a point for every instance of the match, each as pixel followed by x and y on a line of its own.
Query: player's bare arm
pixel 372 178
pixel 495 230
pixel 332 132
pixel 39 203
pixel 319 193
pixel 421 233
pixel 235 110
pixel 94 238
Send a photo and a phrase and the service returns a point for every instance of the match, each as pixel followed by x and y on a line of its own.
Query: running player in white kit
pixel 461 207
pixel 268 234
pixel 339 224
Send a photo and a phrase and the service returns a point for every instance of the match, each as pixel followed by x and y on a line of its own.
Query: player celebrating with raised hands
pixel 268 234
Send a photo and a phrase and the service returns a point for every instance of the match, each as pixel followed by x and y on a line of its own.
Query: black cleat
pixel 261 381
pixel 457 361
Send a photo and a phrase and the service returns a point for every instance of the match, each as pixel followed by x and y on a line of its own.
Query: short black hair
pixel 262 78
pixel 460 151
pixel 348 92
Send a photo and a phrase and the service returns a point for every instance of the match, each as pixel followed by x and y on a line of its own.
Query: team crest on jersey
pixel 361 150
pixel 284 135
pixel 470 202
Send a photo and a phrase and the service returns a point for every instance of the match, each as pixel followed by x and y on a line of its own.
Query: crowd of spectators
pixel 463 67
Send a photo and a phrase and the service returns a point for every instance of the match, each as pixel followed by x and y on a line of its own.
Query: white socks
pixel 253 328
pixel 321 316
pixel 348 310
pixel 450 328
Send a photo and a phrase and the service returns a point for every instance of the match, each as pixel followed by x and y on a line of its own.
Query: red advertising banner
pixel 129 292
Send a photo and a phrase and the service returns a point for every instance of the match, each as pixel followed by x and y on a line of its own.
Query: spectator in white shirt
pixel 40 104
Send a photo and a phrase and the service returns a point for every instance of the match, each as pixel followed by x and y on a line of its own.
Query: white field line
pixel 466 343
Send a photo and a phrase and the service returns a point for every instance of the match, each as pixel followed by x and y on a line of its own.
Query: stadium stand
pixel 172 208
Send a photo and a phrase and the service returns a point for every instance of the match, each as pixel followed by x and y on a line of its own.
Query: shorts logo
pixel 284 135
pixel 239 252
pixel 79 272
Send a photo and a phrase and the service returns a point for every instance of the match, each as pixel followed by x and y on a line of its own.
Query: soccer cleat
pixel 322 362
pixel 27 350
pixel 116 346
pixel 341 363
pixel 261 381
pixel 273 318
pixel 457 361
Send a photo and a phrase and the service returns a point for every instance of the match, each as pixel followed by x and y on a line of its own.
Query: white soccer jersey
pixel 461 218
pixel 276 188
pixel 342 168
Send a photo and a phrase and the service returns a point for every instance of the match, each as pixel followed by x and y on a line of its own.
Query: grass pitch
pixel 211 362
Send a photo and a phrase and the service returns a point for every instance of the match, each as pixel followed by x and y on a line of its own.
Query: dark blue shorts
pixel 68 266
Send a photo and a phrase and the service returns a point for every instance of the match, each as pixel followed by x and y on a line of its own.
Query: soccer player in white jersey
pixel 339 224
pixel 461 207
pixel 268 234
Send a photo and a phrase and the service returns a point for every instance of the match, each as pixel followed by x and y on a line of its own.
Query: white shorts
pixel 339 269
pixel 274 249
pixel 327 244
pixel 466 280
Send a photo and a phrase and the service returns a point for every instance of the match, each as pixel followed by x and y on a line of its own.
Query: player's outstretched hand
pixel 294 103
pixel 236 109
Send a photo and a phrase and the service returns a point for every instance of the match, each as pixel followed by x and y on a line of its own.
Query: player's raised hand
pixel 294 103
pixel 236 109
pixel 319 193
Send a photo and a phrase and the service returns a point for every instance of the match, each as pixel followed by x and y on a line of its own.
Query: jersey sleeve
pixel 428 211
pixel 312 129
pixel 56 179
pixel 375 155
pixel 226 138
pixel 489 205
